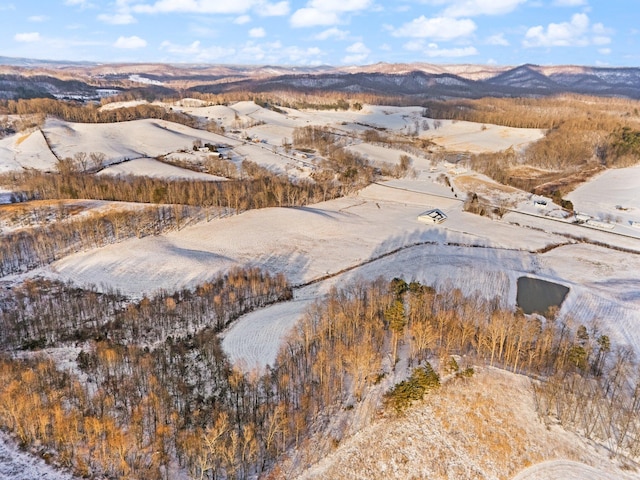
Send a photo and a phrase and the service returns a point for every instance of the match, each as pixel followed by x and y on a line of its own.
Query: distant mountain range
pixel 27 78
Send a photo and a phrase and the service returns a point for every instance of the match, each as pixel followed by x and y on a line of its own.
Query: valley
pixel 324 204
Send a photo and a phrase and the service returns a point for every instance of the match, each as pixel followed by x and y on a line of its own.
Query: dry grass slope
pixel 485 427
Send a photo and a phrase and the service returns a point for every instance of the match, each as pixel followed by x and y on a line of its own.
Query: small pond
pixel 536 296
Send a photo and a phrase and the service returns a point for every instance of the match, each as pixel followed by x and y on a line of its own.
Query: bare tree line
pixel 91 113
pixel 37 246
pixel 46 313
pixel 181 201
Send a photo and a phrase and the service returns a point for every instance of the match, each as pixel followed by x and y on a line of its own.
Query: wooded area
pixel 151 383
pixel 149 389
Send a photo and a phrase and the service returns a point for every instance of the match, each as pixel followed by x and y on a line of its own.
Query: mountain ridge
pixel 25 78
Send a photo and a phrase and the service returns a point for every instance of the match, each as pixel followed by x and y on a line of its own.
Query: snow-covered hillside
pixel 484 428
pixel 360 234
pixel 374 232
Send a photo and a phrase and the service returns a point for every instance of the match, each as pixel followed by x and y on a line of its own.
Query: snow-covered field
pixel 276 162
pixel 452 135
pixel 152 138
pixel 25 150
pixel 469 252
pixel 475 138
pixel 125 140
pixel 150 167
pixel 379 155
pixel 613 195
pixel 16 216
pixel 354 233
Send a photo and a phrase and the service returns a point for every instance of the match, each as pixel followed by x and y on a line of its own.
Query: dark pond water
pixel 535 295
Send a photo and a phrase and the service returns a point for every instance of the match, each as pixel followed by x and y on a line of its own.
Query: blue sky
pixel 329 32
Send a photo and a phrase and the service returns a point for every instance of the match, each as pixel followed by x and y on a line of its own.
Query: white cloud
pixel 311 17
pixel 352 59
pixel 433 50
pixel 275 52
pixel 132 42
pixel 38 18
pixel 202 31
pixel 414 45
pixel 242 19
pixel 601 40
pixel 196 6
pixel 358 53
pixel 569 3
pixel 332 33
pixel 192 49
pixel 257 32
pixel 451 52
pixel 604 51
pixel 575 33
pixel 340 5
pixel 307 56
pixel 121 15
pixel 358 47
pixel 327 12
pixel 437 28
pixel 273 9
pixel 81 3
pixel 600 29
pixel 117 18
pixel 27 37
pixel 471 8
pixel 498 40
pixel 250 52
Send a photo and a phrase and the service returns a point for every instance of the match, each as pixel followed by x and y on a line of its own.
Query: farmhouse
pixel 541 203
pixel 432 216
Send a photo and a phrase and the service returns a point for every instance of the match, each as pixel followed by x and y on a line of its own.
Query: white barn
pixel 432 216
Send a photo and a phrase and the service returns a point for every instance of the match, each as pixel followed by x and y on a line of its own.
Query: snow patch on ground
pixel 567 470
pixel 5 196
pixel 18 465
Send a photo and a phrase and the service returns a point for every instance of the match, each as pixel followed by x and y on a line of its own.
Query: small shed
pixel 582 217
pixel 432 216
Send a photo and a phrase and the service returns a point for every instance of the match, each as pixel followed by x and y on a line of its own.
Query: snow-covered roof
pixel 435 216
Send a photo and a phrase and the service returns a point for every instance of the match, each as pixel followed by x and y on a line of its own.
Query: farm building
pixel 432 216
pixel 582 217
pixel 540 203
pixel 599 224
